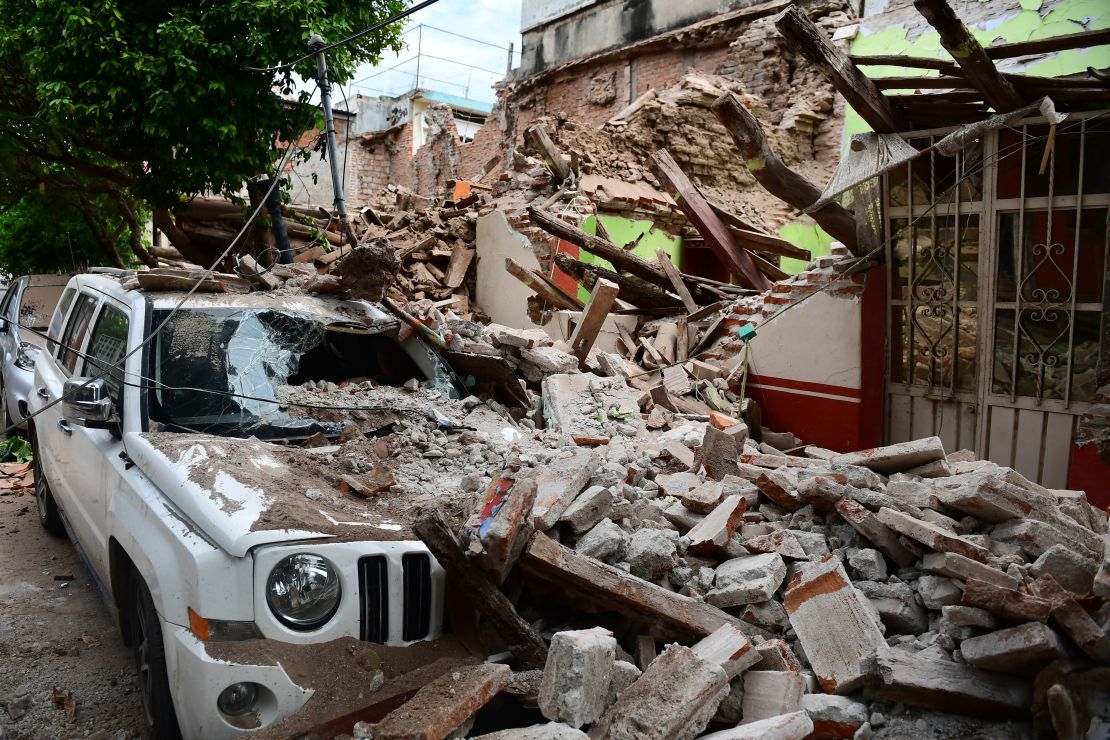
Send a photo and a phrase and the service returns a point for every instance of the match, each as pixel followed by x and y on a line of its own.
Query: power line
pixel 326 47
pixel 462 36
pixel 464 64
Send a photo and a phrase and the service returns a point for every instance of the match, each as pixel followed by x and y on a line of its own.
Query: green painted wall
pixel 623 231
pixel 807 236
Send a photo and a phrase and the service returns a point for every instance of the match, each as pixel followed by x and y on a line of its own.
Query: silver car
pixel 27 304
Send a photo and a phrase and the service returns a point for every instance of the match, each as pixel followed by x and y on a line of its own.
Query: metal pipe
pixel 316 43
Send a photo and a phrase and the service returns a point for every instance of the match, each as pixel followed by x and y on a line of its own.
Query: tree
pixel 45 234
pixel 121 103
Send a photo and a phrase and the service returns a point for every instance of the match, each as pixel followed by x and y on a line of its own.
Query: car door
pixel 8 342
pixel 91 451
pixel 52 432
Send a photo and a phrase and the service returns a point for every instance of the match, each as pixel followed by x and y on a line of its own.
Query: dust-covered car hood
pixel 243 492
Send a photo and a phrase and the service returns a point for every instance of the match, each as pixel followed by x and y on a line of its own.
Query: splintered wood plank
pixel 615 589
pixel 593 317
pixel 778 179
pixel 1081 40
pixel 860 92
pixel 970 55
pixel 556 298
pixel 768 268
pixel 461 257
pixel 702 218
pixel 539 138
pixel 676 280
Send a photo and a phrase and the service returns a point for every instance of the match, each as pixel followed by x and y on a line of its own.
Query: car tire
pixel 49 516
pixel 150 664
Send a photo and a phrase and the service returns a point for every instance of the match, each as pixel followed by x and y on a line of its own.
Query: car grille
pixel 416 595
pixel 373 588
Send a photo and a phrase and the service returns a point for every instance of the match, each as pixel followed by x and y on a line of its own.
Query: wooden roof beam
pixel 854 85
pixel 778 179
pixel 970 55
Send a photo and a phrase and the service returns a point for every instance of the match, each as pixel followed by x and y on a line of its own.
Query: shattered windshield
pixel 222 371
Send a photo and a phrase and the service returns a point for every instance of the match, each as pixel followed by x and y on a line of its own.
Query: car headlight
pixel 303 591
pixel 25 356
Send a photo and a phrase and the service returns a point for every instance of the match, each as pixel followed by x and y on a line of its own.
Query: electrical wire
pixel 285 159
pixel 353 37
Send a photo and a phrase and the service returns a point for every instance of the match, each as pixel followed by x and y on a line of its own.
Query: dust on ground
pixel 57 633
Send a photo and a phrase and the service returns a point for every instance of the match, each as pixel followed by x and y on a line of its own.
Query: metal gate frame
pixel 982 400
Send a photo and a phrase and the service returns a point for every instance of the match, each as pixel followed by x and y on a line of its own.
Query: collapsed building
pixel 634 263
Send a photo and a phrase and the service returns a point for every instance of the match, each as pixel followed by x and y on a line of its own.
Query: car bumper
pixel 197 678
pixel 17 390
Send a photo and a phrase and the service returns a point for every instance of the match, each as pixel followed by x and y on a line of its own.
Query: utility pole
pixel 316 44
pixel 419 47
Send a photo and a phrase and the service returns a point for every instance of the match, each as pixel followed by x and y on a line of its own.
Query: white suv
pixel 179 478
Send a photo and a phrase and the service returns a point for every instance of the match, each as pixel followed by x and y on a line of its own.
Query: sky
pixel 496 22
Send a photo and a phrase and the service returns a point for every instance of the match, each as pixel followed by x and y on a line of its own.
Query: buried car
pixel 176 443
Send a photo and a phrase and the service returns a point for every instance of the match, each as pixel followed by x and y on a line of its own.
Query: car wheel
pixel 150 664
pixel 49 517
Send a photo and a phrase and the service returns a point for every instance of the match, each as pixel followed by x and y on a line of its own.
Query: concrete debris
pixel 577 676
pixel 1022 649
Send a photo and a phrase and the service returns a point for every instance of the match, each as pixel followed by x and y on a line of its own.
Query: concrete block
pixel 728 647
pixel 896 606
pixel 884 538
pixel 937 592
pixel 869 564
pixel 813 543
pixel 897 457
pixel 548 731
pixel 779 488
pixel 896 675
pixel 834 716
pixel 776 655
pixel 958 566
pixel 704 498
pixel 624 675
pixel 793 726
pixel 1070 569
pixel 823 491
pixel 681 517
pixel 577 675
pixel 770 615
pixel 958 615
pixel 1035 537
pixel 1006 603
pixel 877 499
pixel 719 451
pixel 747 580
pixel 549 360
pixel 832 622
pixel 781 541
pixel 771 693
pixel 558 483
pixel 1101 585
pixel 587 509
pixel 605 542
pixel 651 554
pixel 677 484
pixel 1023 649
pixel 712 534
pixel 914 493
pixel 1073 620
pixel 931 535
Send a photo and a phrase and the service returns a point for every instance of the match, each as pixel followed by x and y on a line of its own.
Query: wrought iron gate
pixel 996 263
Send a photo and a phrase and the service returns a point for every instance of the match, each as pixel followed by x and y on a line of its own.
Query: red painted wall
pixel 1091 474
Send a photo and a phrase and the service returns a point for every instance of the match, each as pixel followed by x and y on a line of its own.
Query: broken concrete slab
pixel 771 693
pixel 729 648
pixel 1072 619
pixel 793 726
pixel 834 625
pixel 958 566
pixel 896 606
pixel 604 542
pixel 868 564
pixel 884 538
pixel 558 483
pixel 834 716
pixel 782 541
pixel 1070 569
pixel 938 592
pixel 577 675
pixel 1006 603
pixel 591 409
pixel 677 484
pixel 624 675
pixel 823 491
pixel 704 498
pixel 895 675
pixel 776 655
pixel 931 535
pixel 1101 585
pixel 651 554
pixel 587 509
pixel 895 458
pixel 1023 649
pixel 719 450
pixel 549 731
pixel 676 696
pixel 747 580
pixel 780 489
pixel 712 534
pixel 502 523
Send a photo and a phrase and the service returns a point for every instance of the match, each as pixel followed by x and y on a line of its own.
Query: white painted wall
pixel 497 292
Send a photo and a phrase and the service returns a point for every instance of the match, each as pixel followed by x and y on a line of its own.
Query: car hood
pixel 242 493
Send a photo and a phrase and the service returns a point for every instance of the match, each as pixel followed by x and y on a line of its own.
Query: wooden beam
pixel 921 83
pixel 676 280
pixel 770 269
pixel 615 589
pixel 1081 40
pixel 556 298
pixel 461 257
pixel 632 289
pixel 603 294
pixel 525 644
pixel 903 60
pixel 757 241
pixel 538 137
pixel 854 85
pixel 970 55
pixel 776 177
pixel 702 218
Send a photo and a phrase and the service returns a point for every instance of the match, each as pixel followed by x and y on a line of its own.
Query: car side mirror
pixel 88 404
